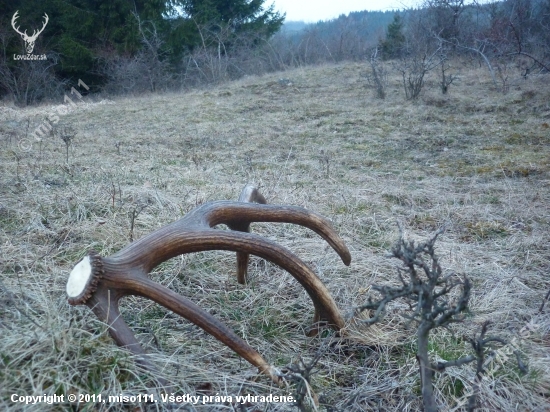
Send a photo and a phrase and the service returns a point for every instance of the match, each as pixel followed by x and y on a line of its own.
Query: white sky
pixel 312 11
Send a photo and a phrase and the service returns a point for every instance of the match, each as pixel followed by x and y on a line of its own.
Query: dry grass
pixel 475 160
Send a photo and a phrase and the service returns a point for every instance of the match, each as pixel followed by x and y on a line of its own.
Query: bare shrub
pixel 503 73
pixel 429 295
pixel 212 62
pixel 481 344
pixel 300 373
pixel 298 50
pixel 134 75
pixel 446 78
pixel 413 71
pixel 204 66
pixel 434 303
pixel 223 55
pixel 147 71
pixel 67 135
pixel 28 81
pixel 378 77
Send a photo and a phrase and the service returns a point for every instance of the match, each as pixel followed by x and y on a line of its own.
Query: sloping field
pixel 476 160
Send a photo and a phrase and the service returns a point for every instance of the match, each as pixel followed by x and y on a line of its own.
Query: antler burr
pixel 100 282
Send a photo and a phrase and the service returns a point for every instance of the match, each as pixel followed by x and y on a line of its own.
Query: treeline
pixel 508 37
pixel 494 31
pixel 124 46
pixel 348 37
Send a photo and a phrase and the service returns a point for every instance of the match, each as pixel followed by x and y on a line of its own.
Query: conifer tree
pixel 394 42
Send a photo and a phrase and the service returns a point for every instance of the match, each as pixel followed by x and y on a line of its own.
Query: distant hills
pixel 371 22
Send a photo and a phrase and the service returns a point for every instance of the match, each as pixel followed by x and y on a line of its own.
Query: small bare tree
pixel 503 73
pixel 67 134
pixel 146 71
pixel 429 295
pixel 446 77
pixel 413 70
pixel 156 69
pixel 378 76
pixel 300 373
pixel 481 345
pixel 28 81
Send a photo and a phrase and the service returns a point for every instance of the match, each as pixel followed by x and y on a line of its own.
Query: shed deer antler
pixel 100 282
pixel 29 40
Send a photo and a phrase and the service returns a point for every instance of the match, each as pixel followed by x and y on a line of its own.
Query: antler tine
pixel 35 32
pixel 47 19
pixel 142 257
pixel 235 214
pixel 13 19
pixel 161 245
pixel 250 194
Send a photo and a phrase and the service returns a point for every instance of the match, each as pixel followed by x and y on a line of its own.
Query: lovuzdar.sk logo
pixel 29 40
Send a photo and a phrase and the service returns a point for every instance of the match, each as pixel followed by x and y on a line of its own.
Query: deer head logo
pixel 29 40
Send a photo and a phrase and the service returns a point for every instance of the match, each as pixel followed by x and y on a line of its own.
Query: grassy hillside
pixel 475 160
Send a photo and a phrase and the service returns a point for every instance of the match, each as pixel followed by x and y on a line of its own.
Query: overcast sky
pixel 315 10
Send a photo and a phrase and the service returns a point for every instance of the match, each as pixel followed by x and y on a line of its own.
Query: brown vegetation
pixel 473 159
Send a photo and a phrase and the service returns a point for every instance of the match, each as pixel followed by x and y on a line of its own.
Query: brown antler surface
pixel 101 282
pixel 249 194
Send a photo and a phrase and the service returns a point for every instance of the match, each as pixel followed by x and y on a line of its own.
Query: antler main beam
pixel 101 282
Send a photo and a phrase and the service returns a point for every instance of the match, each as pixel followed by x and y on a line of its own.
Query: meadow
pixel 475 160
